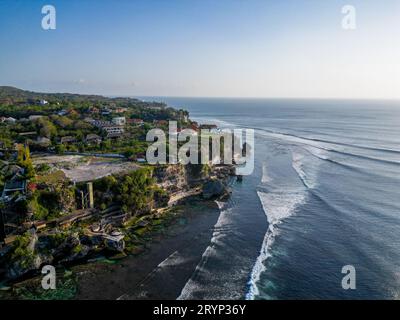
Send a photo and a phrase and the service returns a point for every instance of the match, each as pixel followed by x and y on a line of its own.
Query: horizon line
pixel 212 97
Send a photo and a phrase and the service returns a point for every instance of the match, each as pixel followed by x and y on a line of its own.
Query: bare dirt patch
pixel 83 168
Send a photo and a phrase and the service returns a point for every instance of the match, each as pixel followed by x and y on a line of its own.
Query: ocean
pixel 325 193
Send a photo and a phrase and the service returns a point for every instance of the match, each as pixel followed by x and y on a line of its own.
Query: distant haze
pixel 205 48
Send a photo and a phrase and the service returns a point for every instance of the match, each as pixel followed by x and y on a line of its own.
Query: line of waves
pixel 189 290
pixel 391 151
pixel 277 207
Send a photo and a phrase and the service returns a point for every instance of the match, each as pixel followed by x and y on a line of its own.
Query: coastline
pixel 170 259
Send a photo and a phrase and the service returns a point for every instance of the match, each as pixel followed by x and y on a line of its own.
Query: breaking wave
pixel 277 207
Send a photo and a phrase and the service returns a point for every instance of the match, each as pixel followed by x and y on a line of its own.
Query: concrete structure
pixel 119 121
pixel 43 141
pixel 114 131
pixel 11 187
pixel 93 139
pixel 34 117
pixel 9 119
pixel 90 195
pixel 68 139
pixel 137 122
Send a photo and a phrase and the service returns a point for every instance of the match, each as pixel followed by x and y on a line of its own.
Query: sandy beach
pixel 162 270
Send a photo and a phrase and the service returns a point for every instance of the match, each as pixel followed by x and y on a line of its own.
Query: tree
pixel 136 190
pixel 24 160
pixel 60 149
pixel 47 128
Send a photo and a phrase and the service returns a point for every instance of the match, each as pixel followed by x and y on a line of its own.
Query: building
pixel 43 141
pixel 93 139
pixel 9 119
pixel 100 123
pixel 208 126
pixel 194 126
pixel 120 110
pixel 159 123
pixel 43 102
pixel 34 117
pixel 11 187
pixel 119 121
pixel 106 112
pixel 94 110
pixel 114 131
pixel 136 122
pixel 68 139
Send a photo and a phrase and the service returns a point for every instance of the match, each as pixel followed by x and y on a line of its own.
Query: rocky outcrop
pixel 26 258
pixel 214 189
pixel 115 241
pixel 171 178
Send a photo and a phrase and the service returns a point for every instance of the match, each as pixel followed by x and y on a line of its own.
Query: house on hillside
pixel 34 117
pixel 9 119
pixel 43 141
pixel 68 140
pixel 94 110
pixel 106 112
pixel 119 121
pixel 136 122
pixel 120 110
pixel 159 123
pixel 114 131
pixel 93 139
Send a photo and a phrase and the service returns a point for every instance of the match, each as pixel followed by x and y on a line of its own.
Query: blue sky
pixel 226 48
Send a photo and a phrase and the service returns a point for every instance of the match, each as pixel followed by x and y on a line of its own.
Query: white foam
pixel 220 204
pixel 265 177
pixel 277 207
pixel 310 179
pixel 191 285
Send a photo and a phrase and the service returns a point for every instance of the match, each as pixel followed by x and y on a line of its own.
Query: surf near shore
pixel 169 259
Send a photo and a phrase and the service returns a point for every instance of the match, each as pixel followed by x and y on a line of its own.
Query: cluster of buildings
pixel 113 129
pixel 7 119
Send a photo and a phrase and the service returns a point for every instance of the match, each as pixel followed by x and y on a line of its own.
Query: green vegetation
pixel 135 192
pixel 24 161
pixel 21 250
pixel 66 289
pixel 66 115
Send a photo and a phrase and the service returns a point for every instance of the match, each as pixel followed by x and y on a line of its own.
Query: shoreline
pixel 169 259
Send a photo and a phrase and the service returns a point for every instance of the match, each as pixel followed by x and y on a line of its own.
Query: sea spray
pixel 277 207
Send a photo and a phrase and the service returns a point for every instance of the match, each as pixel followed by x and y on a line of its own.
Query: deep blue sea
pixel 325 193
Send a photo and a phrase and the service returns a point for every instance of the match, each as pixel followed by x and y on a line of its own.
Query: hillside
pixel 15 96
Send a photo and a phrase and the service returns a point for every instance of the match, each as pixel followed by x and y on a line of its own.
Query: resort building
pixel 93 139
pixel 68 139
pixel 119 121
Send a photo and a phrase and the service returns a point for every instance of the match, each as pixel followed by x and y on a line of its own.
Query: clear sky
pixel 224 48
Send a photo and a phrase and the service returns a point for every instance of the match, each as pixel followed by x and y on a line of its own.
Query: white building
pixel 34 117
pixel 119 121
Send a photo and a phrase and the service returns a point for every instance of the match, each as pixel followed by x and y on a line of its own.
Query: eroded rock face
pixel 171 177
pixel 214 189
pixel 20 267
pixel 115 244
pixel 30 260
